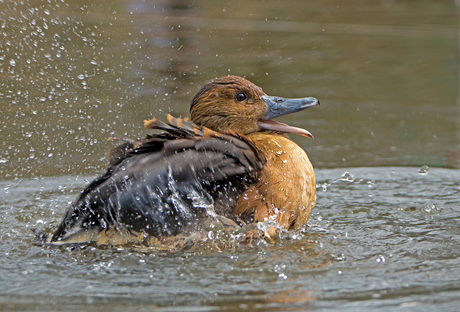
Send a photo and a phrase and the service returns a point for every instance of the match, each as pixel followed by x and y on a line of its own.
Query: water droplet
pixel 338 257
pixel 430 208
pixel 12 62
pixel 210 235
pixel 282 275
pixel 423 170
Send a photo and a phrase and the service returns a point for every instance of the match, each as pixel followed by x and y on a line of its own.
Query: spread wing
pixel 161 184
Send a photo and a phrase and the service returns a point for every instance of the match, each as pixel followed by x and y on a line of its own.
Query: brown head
pixel 234 103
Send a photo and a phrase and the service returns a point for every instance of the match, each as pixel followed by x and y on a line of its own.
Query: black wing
pixel 163 184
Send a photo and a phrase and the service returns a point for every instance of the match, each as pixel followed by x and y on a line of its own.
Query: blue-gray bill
pixel 278 106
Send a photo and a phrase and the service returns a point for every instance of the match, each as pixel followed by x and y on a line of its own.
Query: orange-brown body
pixel 229 161
pixel 286 188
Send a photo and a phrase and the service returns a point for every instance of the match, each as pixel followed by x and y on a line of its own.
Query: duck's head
pixel 234 103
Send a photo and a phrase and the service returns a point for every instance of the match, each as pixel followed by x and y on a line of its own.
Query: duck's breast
pixel 286 187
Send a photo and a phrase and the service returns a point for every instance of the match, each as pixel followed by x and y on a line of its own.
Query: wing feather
pixel 162 184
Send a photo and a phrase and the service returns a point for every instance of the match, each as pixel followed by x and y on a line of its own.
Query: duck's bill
pixel 282 127
pixel 281 106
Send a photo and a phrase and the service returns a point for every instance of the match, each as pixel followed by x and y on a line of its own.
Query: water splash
pixel 423 170
pixel 346 176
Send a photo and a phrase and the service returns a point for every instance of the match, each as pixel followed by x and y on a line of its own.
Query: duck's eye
pixel 241 97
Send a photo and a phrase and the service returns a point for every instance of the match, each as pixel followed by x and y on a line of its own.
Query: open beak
pixel 278 106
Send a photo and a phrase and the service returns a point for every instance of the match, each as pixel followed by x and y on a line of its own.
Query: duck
pixel 229 162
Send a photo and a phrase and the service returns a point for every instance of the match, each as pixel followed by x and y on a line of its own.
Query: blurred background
pixel 74 72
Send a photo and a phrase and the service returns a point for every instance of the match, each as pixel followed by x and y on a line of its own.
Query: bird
pixel 229 163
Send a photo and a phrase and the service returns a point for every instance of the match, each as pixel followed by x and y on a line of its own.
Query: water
pixel 388 238
pixel 386 72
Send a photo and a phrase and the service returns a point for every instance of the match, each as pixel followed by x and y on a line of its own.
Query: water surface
pixel 379 238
